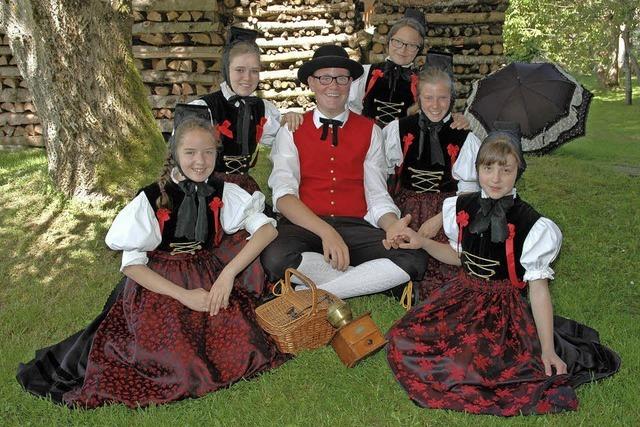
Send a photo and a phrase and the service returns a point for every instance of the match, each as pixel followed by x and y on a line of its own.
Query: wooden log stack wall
pixel 177 46
pixel 19 123
pixel 469 29
pixel 291 31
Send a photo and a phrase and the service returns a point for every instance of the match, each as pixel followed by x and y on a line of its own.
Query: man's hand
pixel 335 250
pixel 397 228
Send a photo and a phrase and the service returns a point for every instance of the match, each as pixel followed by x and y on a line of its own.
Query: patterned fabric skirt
pixel 243 180
pixel 473 346
pixel 152 349
pixel 423 206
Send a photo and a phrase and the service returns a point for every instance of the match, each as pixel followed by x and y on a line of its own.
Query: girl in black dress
pixel 182 326
pixel 476 344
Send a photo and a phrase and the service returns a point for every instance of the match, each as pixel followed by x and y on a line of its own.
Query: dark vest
pixel 479 250
pixel 383 91
pixel 413 170
pixel 223 110
pixel 177 196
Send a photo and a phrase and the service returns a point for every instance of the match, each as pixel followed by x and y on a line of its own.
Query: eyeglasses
pixel 326 80
pixel 399 44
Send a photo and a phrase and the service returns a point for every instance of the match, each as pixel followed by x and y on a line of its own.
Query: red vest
pixel 332 178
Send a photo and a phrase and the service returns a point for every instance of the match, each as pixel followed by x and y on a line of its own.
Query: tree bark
pixel 75 56
pixel 627 66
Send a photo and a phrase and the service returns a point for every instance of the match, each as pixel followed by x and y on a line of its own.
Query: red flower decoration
pixel 224 129
pixel 375 75
pixel 260 129
pixel 414 86
pixel 453 151
pixel 163 215
pixel 462 218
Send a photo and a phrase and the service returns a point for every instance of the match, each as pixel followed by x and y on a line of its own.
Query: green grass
pixel 56 273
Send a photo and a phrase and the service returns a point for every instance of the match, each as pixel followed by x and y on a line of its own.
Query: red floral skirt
pixel 473 346
pixel 423 206
pixel 152 349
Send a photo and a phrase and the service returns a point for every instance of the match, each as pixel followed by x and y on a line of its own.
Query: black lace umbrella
pixel 550 105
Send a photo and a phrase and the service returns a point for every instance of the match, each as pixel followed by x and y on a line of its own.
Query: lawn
pixel 57 272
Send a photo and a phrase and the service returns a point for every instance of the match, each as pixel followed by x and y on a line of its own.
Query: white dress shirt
pixel 285 175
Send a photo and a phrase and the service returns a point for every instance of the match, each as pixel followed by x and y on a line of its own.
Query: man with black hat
pixel 329 183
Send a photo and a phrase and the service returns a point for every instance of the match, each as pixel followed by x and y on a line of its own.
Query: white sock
pixel 367 278
pixel 317 269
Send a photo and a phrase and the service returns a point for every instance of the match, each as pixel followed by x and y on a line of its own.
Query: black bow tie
pixel 394 72
pixel 244 119
pixel 335 124
pixel 433 128
pixel 493 212
pixel 192 222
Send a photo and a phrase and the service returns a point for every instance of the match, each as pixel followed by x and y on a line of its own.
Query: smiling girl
pixel 182 326
pixel 431 161
pixel 476 344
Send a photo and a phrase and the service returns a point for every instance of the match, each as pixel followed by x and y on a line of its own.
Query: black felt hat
pixel 511 130
pixel 329 56
pixel 417 16
pixel 242 34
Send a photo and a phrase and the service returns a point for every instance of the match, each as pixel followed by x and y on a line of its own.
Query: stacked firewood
pixel 469 29
pixel 291 30
pixel 177 46
pixel 19 125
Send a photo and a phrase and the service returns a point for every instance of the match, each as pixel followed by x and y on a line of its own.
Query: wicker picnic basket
pixel 297 320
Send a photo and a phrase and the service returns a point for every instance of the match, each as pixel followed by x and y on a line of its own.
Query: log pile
pixel 291 30
pixel 177 46
pixel 19 123
pixel 469 29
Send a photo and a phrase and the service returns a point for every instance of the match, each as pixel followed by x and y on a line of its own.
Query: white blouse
pixel 136 231
pixel 285 175
pixel 540 248
pixel 464 168
pixel 272 114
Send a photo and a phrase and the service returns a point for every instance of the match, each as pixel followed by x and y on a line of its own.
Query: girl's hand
pixel 430 227
pixel 398 228
pixel 218 296
pixel 195 299
pixel 411 240
pixel 292 119
pixel 551 359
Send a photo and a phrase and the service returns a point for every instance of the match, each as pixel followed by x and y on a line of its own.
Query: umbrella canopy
pixel 550 105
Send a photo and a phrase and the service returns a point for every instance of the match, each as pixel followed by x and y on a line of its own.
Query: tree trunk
pixel 627 66
pixel 75 57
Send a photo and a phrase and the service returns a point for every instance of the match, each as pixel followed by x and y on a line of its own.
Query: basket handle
pixel 286 287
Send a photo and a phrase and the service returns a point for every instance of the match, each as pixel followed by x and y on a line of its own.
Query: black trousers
pixel 363 240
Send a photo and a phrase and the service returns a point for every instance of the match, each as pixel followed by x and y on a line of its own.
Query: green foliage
pixel 57 274
pixel 581 35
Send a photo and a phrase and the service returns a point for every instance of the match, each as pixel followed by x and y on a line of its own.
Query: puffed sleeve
pixel 285 172
pixel 241 210
pixel 540 248
pixel 449 224
pixel 272 125
pixel 464 169
pixel 134 231
pixel 356 92
pixel 392 145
